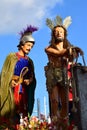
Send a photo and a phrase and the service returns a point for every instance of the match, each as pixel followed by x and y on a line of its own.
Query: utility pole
pixel 38 108
pixel 45 107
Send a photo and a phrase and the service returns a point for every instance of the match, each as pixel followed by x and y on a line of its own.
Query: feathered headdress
pixel 58 21
pixel 26 35
pixel 29 30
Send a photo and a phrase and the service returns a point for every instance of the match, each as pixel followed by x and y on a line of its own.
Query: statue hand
pixel 79 50
pixel 27 81
pixel 75 51
pixel 14 83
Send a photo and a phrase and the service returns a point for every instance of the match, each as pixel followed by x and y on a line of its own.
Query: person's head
pixel 26 40
pixel 59 29
pixel 26 47
pixel 59 34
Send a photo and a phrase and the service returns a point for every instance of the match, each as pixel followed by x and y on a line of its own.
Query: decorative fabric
pixel 6 91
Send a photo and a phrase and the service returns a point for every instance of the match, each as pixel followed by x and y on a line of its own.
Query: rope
pixel 22 73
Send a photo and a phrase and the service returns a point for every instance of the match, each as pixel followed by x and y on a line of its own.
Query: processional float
pixel 78 83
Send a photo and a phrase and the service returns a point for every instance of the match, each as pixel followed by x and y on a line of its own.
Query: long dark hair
pixel 66 42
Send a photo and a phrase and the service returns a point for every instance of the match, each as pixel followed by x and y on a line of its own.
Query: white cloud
pixel 15 14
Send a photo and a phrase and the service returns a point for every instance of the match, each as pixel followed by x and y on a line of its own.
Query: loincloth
pixel 55 76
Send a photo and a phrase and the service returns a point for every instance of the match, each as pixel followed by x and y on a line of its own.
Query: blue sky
pixel 17 14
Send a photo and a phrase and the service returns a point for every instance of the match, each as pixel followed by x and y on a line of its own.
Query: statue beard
pixel 57 40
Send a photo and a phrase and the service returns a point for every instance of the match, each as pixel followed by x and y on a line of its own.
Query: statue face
pixel 59 34
pixel 26 48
